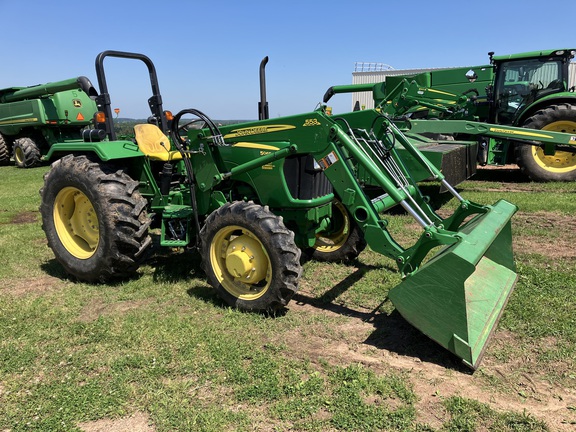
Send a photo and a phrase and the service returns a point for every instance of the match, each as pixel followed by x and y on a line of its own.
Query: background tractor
pixel 530 90
pixel 253 197
pixel 34 118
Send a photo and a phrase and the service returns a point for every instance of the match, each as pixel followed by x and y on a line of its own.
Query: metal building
pixel 365 72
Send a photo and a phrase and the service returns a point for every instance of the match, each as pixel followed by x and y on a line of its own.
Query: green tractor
pixel 532 90
pixel 251 198
pixel 529 90
pixel 33 118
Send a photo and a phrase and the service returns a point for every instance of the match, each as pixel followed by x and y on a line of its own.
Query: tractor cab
pixel 522 79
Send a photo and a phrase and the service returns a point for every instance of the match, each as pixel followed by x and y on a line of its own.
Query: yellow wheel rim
pixel 76 222
pixel 561 161
pixel 330 242
pixel 240 262
pixel 19 155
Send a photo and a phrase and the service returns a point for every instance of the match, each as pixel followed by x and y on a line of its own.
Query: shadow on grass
pixel 207 294
pixel 168 266
pixel 54 268
pixel 186 266
pixel 392 332
pixel 175 267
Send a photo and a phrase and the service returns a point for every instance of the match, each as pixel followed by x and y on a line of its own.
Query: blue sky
pixel 207 53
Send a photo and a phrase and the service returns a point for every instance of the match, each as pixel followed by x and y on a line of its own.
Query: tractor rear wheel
pixel 4 151
pixel 26 153
pixel 94 218
pixel 341 242
pixel 532 160
pixel 250 257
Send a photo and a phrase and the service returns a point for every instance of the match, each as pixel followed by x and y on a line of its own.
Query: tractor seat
pixel 154 144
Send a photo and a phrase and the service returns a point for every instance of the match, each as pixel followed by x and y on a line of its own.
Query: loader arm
pixel 408 96
pixel 549 140
pixel 376 152
pixel 456 296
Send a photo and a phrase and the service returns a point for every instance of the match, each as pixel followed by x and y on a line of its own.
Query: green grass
pixel 163 344
pixel 469 415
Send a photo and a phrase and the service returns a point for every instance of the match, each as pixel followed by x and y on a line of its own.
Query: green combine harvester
pixel 251 198
pixel 528 90
pixel 34 118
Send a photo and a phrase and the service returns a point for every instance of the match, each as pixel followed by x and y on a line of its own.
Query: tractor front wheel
pixel 341 242
pixel 541 167
pixel 94 218
pixel 26 153
pixel 250 257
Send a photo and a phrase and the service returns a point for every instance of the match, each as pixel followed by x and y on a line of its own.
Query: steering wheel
pixel 554 84
pixel 180 131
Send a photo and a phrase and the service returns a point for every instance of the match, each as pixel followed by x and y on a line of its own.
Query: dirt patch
pixel 561 229
pixel 559 243
pixel 98 307
pixel 137 422
pixel 25 217
pixel 434 374
pixel 34 286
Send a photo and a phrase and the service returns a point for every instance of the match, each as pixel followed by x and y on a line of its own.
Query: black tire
pixel 4 151
pixel 341 242
pixel 250 257
pixel 532 160
pixel 94 218
pixel 26 153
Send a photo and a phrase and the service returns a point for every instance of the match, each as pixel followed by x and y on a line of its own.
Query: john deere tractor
pixel 251 198
pixel 529 90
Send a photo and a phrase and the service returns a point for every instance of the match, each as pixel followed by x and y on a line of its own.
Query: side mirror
pixel 471 76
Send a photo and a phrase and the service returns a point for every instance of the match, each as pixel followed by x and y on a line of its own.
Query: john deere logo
pixel 77 103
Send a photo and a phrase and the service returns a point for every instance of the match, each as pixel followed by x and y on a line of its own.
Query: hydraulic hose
pixel 187 164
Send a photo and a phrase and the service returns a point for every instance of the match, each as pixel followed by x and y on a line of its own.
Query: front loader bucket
pixel 457 297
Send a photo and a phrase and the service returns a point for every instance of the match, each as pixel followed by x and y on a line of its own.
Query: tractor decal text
pixel 249 145
pixel 513 132
pixel 257 130
pixel 327 161
pixel 312 122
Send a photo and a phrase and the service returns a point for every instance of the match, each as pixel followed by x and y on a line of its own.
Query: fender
pixel 105 150
pixel 546 101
